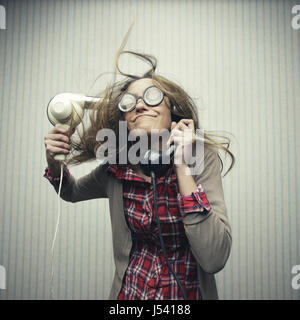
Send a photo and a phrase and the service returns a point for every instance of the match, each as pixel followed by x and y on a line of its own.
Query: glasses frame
pixel 142 97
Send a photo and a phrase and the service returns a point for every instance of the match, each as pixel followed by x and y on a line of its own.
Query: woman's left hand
pixel 182 134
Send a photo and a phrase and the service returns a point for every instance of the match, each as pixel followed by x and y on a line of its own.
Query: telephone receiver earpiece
pixel 157 161
pixel 67 109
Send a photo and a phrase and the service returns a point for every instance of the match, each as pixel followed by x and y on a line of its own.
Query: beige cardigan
pixel 209 235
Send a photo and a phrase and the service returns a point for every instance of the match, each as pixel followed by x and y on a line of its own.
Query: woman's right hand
pixel 57 141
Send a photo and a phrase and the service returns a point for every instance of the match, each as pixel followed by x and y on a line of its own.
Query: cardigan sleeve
pixel 195 202
pixel 209 234
pixel 90 186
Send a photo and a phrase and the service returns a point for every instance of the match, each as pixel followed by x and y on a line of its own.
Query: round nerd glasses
pixel 152 97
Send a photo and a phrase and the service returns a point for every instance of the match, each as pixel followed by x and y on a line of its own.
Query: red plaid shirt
pixel 148 276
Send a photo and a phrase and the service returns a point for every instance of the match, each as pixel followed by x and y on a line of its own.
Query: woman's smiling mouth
pixel 143 115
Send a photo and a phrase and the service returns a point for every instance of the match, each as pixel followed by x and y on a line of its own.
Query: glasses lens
pixel 127 103
pixel 153 96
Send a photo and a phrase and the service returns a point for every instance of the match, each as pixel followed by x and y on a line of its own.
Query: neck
pixel 158 143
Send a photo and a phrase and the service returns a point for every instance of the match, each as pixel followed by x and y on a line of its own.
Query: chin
pixel 145 129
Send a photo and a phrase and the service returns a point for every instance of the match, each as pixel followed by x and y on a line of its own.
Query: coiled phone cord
pixel 160 235
pixel 55 234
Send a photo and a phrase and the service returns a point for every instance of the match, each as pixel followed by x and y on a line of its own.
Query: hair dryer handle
pixel 61 156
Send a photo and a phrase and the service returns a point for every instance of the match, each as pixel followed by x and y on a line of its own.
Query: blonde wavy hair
pixel 106 114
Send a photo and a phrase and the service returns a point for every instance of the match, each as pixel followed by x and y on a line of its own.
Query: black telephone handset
pixel 155 163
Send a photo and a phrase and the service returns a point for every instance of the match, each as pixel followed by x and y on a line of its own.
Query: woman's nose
pixel 140 104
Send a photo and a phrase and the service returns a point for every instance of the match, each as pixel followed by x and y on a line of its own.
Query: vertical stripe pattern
pixel 238 59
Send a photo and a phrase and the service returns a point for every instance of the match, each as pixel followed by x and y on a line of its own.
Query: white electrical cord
pixel 55 233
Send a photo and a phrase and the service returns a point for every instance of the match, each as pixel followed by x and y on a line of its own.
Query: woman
pixel 191 208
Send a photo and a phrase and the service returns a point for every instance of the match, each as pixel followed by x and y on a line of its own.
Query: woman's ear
pixel 169 103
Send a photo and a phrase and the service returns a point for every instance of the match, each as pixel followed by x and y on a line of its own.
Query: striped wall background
pixel 240 59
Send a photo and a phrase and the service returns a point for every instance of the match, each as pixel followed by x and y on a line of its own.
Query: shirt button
pixel 155 275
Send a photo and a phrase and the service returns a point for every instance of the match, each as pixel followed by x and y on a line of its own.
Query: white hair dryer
pixel 67 109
